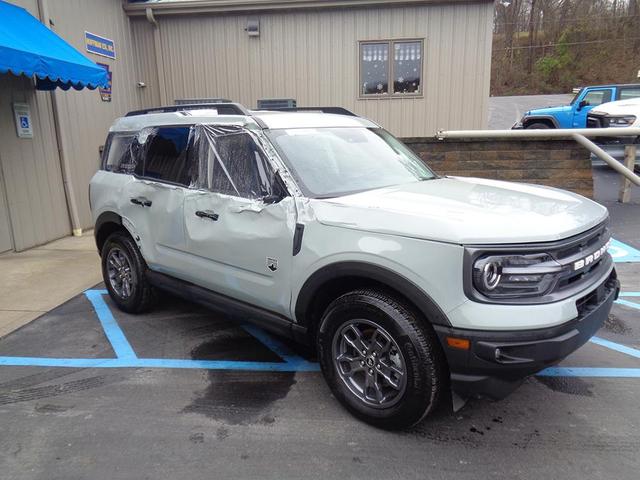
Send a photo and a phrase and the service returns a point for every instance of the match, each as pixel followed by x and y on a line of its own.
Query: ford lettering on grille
pixel 589 259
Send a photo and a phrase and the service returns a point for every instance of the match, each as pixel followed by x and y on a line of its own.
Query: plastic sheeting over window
pixel 235 164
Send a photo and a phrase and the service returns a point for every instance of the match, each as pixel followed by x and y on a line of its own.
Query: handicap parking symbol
pixel 24 122
pixel 621 252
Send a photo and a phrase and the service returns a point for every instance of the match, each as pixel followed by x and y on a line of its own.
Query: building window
pixel 403 67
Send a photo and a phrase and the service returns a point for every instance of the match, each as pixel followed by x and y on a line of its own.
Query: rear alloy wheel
pixel 382 361
pixel 123 271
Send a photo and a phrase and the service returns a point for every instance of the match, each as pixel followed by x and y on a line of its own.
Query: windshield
pixel 329 162
pixel 573 100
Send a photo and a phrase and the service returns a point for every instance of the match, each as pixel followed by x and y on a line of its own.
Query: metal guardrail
pixel 579 135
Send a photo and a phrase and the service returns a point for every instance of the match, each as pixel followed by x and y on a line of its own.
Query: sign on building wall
pixel 105 93
pixel 22 115
pixel 99 45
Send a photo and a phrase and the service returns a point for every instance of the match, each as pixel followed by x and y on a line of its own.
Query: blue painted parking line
pixel 590 372
pixel 126 357
pixel 621 252
pixel 618 347
pixel 112 330
pixel 302 366
pixel 627 303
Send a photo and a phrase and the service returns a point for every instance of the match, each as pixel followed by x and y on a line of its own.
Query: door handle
pixel 142 201
pixel 207 214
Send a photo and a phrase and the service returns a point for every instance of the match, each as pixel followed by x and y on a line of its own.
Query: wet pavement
pixel 182 392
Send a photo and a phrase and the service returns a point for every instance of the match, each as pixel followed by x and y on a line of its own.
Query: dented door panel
pixel 240 247
pixel 158 225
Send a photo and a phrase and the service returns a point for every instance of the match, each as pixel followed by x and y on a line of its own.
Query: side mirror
pixel 582 104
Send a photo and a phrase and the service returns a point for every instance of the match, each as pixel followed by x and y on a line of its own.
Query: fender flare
pixel 105 217
pixel 551 118
pixel 418 297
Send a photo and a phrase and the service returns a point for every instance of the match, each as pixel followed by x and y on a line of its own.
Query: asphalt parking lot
pixel 87 391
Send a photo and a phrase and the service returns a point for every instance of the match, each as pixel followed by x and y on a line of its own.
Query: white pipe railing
pixel 542 133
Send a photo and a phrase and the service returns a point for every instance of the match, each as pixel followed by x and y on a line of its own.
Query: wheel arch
pixel 107 223
pixel 333 280
pixel 548 119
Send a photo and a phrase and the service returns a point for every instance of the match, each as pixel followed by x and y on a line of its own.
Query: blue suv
pixel 574 115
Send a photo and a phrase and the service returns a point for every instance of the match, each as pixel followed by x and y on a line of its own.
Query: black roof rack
pixel 334 110
pixel 227 108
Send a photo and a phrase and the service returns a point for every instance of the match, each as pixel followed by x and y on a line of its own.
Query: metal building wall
pixel 312 56
pixel 30 168
pixel 85 119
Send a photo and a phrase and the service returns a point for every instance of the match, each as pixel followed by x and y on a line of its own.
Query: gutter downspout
pixel 65 169
pixel 157 48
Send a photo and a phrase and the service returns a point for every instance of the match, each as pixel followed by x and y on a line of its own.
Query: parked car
pixel 620 114
pixel 327 229
pixel 574 115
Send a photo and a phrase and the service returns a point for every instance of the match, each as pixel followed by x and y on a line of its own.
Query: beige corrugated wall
pixel 312 56
pixel 32 185
pixel 85 119
pixel 35 209
pixel 30 168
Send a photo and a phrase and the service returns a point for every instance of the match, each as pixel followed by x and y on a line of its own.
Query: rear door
pixel 591 98
pixel 239 229
pixel 152 204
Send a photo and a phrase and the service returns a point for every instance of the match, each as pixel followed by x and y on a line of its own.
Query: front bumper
pixel 497 361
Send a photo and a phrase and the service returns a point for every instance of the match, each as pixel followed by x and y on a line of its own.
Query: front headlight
pixel 624 121
pixel 515 275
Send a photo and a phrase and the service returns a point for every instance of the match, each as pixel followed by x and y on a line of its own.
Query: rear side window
pixel 123 154
pixel 626 93
pixel 168 156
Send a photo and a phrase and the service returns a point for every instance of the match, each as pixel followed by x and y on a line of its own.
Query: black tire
pixel 538 126
pixel 141 294
pixel 421 354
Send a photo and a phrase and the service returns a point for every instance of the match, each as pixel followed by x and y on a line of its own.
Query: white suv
pixel 327 229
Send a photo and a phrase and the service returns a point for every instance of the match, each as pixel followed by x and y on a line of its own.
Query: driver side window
pixel 236 165
pixel 594 98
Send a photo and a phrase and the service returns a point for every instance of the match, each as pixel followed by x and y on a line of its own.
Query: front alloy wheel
pixel 369 363
pixel 381 359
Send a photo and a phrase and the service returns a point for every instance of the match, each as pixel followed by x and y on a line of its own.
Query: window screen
pixel 123 154
pixel 167 156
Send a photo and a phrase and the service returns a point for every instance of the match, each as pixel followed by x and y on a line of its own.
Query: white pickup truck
pixel 620 114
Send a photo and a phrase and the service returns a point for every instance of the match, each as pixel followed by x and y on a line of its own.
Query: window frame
pixel 390 42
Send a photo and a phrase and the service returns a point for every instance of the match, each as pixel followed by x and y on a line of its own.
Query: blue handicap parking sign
pixel 24 122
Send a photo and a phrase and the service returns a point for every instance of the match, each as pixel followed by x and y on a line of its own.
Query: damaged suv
pixel 327 229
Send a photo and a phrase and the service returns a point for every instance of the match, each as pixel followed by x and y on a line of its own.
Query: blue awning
pixel 29 48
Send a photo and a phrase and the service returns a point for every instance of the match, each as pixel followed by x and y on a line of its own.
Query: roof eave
pixel 186 7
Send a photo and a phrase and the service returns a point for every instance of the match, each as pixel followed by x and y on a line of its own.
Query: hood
pixel 630 106
pixel 464 211
pixel 549 110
